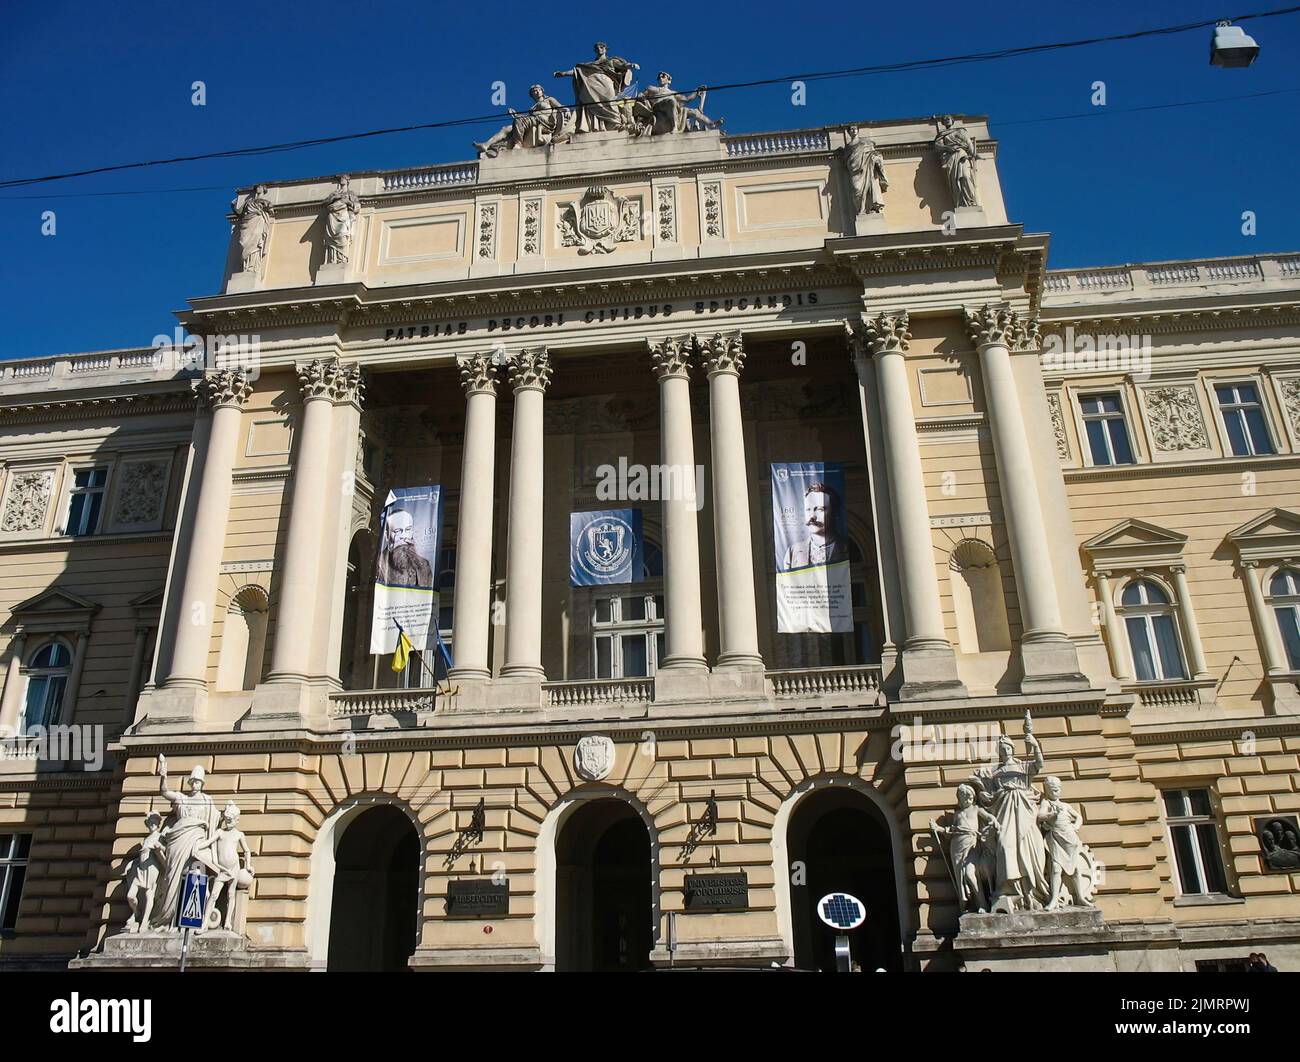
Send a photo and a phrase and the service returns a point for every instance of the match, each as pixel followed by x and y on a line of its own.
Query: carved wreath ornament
pixel 599 221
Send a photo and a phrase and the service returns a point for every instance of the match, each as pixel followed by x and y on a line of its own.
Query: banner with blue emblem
pixel 605 547
pixel 406 569
pixel 811 535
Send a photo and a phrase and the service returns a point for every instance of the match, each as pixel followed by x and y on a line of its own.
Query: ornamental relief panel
pixel 141 492
pixel 27 500
pixel 1174 415
pixel 1058 426
pixel 1290 388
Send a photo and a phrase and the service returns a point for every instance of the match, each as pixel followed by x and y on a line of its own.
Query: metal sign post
pixel 194 901
pixel 842 912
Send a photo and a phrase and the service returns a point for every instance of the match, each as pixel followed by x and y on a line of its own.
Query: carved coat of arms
pixel 599 221
pixel 593 759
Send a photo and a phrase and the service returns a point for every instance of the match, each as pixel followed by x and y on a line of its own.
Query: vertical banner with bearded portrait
pixel 811 535
pixel 406 570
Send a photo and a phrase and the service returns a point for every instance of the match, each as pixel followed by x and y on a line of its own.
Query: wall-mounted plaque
pixel 1279 842
pixel 717 892
pixel 477 898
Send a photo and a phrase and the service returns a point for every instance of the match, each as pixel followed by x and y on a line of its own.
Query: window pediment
pixel 55 610
pixel 1132 544
pixel 1274 535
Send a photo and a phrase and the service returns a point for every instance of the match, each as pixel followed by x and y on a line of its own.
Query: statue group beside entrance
pixel 194 836
pixel 1012 848
pixel 604 100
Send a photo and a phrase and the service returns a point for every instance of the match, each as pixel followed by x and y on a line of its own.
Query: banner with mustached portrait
pixel 406 569
pixel 811 535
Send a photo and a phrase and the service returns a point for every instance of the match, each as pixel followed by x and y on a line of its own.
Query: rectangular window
pixel 85 500
pixel 1194 835
pixel 1103 421
pixel 1243 419
pixel 1288 622
pixel 14 849
pixel 628 635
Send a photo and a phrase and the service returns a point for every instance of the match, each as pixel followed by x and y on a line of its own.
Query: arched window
pixel 1284 596
pixel 978 599
pixel 1152 629
pixel 47 680
pixel 243 640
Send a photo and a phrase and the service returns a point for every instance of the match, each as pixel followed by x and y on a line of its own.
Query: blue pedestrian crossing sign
pixel 194 899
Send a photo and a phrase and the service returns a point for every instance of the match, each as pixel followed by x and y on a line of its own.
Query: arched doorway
pixel 374 913
pixel 603 890
pixel 837 841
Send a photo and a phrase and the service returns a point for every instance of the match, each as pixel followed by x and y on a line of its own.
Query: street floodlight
pixel 1232 46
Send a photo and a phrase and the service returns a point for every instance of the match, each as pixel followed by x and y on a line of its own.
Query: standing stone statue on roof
pixel 866 168
pixel 341 210
pixel 598 87
pixel 253 222
pixel 958 155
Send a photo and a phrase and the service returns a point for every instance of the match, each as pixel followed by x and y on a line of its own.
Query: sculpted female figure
pixel 1021 852
pixel 193 818
pixel 253 220
pixel 597 84
pixel 957 155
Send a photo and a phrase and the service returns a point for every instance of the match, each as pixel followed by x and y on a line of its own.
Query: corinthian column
pixel 324 382
pixel 471 606
pixel 1049 658
pixel 724 357
pixel 683 625
pixel 223 393
pixel 530 375
pixel 928 662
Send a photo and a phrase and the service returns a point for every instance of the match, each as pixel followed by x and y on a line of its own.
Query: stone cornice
pixel 1206 465
pixel 137 404
pixel 1153 319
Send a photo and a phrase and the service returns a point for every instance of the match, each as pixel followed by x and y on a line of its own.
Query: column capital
pixel 671 356
pixel 530 370
pixel 223 387
pixel 330 378
pixel 885 333
pixel 721 353
pixel 478 373
pixel 1001 326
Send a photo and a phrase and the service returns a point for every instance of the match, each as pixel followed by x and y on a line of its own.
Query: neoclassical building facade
pixel 1072 502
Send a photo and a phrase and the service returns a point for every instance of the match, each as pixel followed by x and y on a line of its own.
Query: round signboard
pixel 841 911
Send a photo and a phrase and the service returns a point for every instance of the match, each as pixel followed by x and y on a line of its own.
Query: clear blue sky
pixel 87 84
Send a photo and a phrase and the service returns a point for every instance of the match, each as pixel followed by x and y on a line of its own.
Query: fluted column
pixel 224 392
pixel 1049 658
pixel 472 604
pixel 323 382
pixel 11 702
pixel 530 374
pixel 683 626
pixel 1115 639
pixel 929 665
pixel 724 358
pixel 1195 652
pixel 1270 643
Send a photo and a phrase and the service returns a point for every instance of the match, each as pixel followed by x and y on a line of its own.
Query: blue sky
pixel 86 84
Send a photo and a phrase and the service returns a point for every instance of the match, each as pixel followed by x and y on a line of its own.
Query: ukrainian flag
pixel 402 654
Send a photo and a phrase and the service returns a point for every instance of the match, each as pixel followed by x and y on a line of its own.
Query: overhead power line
pixel 817 75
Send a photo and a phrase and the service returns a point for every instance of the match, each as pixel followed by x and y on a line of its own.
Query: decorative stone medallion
pixel 599 222
pixel 1279 843
pixel 593 759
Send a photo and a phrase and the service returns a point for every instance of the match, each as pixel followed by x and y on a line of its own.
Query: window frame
pixel 1105 419
pixel 1276 604
pixel 1172 607
pixel 652 628
pixel 1190 821
pixel 71 490
pixel 10 863
pixel 1261 403
pixel 29 672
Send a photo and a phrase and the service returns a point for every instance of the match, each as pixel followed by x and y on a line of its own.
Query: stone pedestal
pixel 211 950
pixel 242 282
pixel 331 273
pixel 969 218
pixel 870 224
pixel 1075 939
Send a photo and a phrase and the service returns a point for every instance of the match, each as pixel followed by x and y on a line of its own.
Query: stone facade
pixel 682 299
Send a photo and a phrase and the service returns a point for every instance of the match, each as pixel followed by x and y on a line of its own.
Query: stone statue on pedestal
pixel 958 155
pixel 968 861
pixel 341 210
pixel 227 855
pixel 660 110
pixel 598 85
pixel 1067 859
pixel 193 818
pixel 1020 882
pixel 546 122
pixel 866 168
pixel 142 875
pixel 253 222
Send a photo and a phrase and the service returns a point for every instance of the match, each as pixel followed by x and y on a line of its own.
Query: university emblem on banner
pixel 593 759
pixel 599 221
pixel 606 547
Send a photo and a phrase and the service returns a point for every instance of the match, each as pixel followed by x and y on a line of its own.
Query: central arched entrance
pixel 376 898
pixel 603 890
pixel 837 841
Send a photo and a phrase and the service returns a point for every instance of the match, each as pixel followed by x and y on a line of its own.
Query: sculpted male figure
pixel 227 855
pixel 597 85
pixel 142 875
pixel 866 168
pixel 970 823
pixel 661 110
pixel 543 124
pixel 1060 824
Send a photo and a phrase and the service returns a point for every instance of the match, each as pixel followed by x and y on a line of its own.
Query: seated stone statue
pixel 660 110
pixel 547 122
